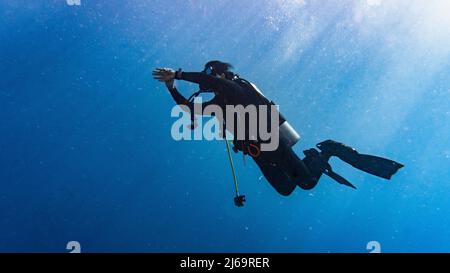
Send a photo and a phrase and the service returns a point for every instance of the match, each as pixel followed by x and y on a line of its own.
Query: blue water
pixel 86 152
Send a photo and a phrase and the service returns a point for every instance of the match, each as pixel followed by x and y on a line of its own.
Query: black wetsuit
pixel 282 168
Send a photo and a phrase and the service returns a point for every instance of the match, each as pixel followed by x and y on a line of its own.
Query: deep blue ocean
pixel 86 152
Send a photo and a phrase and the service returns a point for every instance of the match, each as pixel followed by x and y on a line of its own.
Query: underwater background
pixel 86 152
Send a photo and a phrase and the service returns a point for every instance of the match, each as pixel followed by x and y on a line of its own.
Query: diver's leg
pixel 305 173
pixel 269 164
pixel 284 170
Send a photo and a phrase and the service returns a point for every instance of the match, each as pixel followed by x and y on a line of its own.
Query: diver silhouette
pixel 282 168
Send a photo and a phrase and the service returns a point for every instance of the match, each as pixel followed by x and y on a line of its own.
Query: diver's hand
pixel 164 75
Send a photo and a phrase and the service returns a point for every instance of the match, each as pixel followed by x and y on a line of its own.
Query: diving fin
pixel 374 165
pixel 338 178
pixel 318 163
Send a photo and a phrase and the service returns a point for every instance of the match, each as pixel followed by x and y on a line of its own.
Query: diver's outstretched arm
pixel 207 81
pixel 167 75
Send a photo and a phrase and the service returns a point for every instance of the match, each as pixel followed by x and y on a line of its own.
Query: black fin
pixel 378 166
pixel 375 165
pixel 339 179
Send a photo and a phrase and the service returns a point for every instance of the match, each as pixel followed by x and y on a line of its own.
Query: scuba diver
pixel 282 168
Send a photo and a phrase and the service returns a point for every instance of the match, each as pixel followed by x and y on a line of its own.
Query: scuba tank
pixel 288 134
